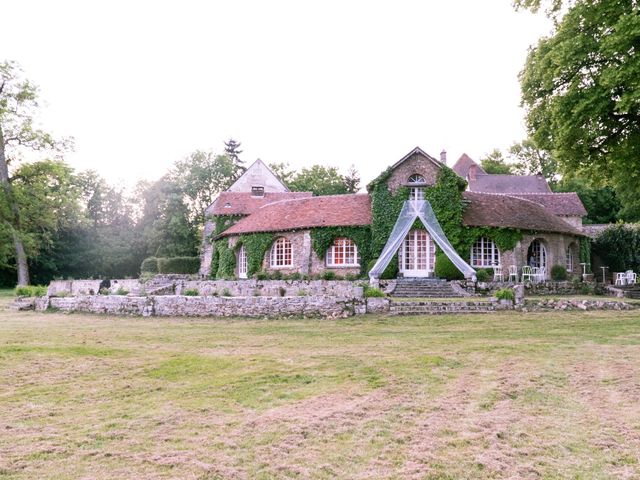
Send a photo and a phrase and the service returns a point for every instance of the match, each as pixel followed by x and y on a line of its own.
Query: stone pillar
pixel 305 260
pixel 519 294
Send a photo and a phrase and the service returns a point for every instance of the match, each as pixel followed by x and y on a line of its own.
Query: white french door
pixel 417 254
pixel 242 262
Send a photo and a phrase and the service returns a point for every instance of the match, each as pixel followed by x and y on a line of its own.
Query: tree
pixel 495 163
pixel 352 180
pixel 601 202
pixel 18 105
pixel 283 172
pixel 530 160
pixel 320 180
pixel 582 97
pixel 232 150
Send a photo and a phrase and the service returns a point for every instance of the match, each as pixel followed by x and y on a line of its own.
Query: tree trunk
pixel 21 257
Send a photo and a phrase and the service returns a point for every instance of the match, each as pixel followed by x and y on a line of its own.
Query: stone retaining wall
pixel 88 287
pixel 271 288
pixel 177 305
pixel 573 304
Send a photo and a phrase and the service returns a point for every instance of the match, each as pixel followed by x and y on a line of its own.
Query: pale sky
pixel 140 84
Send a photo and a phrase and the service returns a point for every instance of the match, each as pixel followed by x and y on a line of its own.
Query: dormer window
pixel 257 191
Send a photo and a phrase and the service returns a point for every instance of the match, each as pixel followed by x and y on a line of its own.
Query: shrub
pixel 226 293
pixel 30 291
pixel 505 294
pixel 149 265
pixel 482 275
pixel 121 291
pixel 261 276
pixel 302 293
pixel 104 291
pixel 446 269
pixel 351 277
pixel 294 276
pixel 329 275
pixel 372 291
pixel 390 272
pixel 586 289
pixel 277 275
pixel 282 291
pixel 558 273
pixel 191 292
pixel 183 265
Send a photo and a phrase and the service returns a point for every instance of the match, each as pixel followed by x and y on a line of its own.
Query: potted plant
pixel 506 296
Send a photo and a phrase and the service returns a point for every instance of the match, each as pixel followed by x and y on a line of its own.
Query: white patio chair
pixel 513 273
pixel 497 273
pixel 621 278
pixel 542 274
pixel 631 277
pixel 527 273
pixel 535 272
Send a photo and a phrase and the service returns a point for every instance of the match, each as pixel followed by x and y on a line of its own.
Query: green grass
pixel 548 395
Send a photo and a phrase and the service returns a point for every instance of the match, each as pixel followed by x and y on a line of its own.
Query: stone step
pixel 434 308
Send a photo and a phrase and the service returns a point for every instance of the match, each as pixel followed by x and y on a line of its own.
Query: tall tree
pixel 528 159
pixel 18 105
pixel 232 150
pixel 320 180
pixel 495 163
pixel 581 89
pixel 352 180
pixel 283 172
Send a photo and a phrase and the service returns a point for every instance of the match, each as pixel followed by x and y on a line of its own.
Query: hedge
pixel 446 269
pixel 149 265
pixel 186 265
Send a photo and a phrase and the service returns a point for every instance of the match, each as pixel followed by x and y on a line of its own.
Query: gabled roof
pixel 295 214
pixel 498 210
pixel 462 165
pixel 243 203
pixel 566 204
pixel 258 167
pixel 491 183
pixel 416 151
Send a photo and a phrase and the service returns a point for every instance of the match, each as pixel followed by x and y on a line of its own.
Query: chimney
pixel 473 171
pixel 443 157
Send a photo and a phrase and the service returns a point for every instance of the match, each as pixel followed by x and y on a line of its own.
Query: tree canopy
pixel 581 90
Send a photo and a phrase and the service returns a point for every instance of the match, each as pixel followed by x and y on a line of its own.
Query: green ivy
pixel 585 253
pixel 226 259
pixel 224 222
pixel 256 246
pixel 322 239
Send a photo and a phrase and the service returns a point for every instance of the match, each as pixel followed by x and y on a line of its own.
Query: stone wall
pixel 543 288
pixel 573 304
pixel 414 164
pixel 88 287
pixel 178 306
pixel 250 288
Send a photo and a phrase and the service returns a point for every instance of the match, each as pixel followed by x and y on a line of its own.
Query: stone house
pixel 491 220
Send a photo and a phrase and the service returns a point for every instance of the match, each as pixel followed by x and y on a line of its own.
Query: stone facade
pixel 416 163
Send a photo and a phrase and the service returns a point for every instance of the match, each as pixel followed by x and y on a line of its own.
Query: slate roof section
pixel 496 210
pixel 566 204
pixel 243 203
pixel 493 183
pixel 302 213
pixel 462 165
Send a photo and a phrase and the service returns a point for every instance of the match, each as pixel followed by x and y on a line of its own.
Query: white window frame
pixel 345 248
pixel 416 193
pixel 278 257
pixel 484 252
pixel 243 263
pixel 569 259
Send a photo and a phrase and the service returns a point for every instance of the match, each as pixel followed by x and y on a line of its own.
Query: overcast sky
pixel 141 84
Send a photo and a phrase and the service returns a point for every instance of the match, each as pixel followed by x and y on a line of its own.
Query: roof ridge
pixel 514 195
pixel 285 200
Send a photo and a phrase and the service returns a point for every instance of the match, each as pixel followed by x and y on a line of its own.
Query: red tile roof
pixel 565 204
pixel 323 211
pixel 509 184
pixel 462 165
pixel 497 210
pixel 243 203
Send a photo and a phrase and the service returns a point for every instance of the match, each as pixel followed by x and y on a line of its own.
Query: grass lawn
pixel 445 397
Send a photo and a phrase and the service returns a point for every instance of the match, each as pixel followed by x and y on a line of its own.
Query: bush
pixel 350 277
pixel 558 273
pixel 183 265
pixel 329 275
pixel 482 275
pixel 294 276
pixel 277 275
pixel 121 291
pixel 149 265
pixel 505 294
pixel 226 293
pixel 30 291
pixel 390 272
pixel 191 292
pixel 372 292
pixel 261 276
pixel 446 269
pixel 586 289
pixel 302 293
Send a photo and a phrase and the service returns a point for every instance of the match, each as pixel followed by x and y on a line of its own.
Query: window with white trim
pixel 281 255
pixel 485 253
pixel 416 192
pixel 569 259
pixel 343 253
pixel 416 178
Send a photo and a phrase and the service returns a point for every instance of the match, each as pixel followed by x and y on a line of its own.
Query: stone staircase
pixel 424 288
pixel 399 307
pixel 631 291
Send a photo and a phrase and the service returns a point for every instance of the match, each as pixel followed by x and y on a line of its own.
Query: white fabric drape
pixel 411 210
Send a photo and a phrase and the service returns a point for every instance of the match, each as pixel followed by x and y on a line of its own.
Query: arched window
pixel 343 253
pixel 416 192
pixel 569 258
pixel 281 253
pixel 537 254
pixel 485 253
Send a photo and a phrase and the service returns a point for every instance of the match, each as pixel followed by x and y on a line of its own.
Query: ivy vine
pixel 256 246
